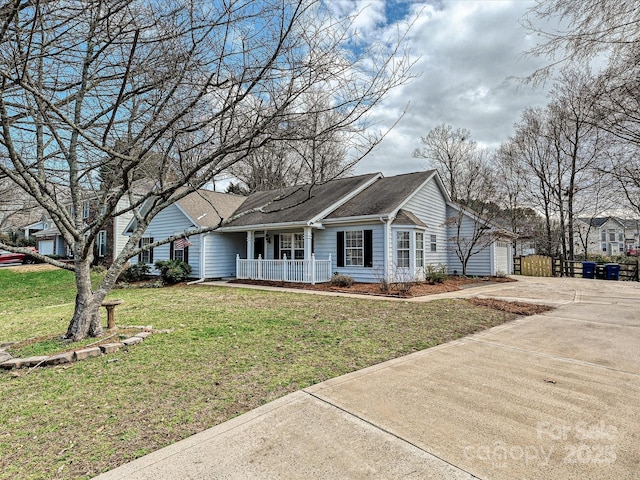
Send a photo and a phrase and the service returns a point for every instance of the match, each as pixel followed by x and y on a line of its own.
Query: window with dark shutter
pixel 368 248
pixel 276 246
pixel 340 249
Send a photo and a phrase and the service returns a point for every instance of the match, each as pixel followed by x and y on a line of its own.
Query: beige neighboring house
pixel 607 236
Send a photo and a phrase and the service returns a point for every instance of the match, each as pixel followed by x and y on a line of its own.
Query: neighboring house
pixel 607 236
pixel 369 227
pixel 199 209
pixel 109 243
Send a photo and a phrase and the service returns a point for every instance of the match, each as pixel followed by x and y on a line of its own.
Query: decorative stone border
pixel 7 362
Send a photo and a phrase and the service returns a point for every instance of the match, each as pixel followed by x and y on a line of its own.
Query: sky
pixel 469 52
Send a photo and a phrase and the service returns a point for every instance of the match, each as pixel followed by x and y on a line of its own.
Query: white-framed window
pixel 292 245
pixel 354 248
pixel 147 255
pixel 102 243
pixel 603 236
pixel 419 249
pixel 612 235
pixel 604 246
pixel 178 251
pixel 434 243
pixel 85 208
pixel 620 236
pixel 403 249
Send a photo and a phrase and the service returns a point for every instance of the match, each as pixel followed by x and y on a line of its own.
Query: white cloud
pixel 469 51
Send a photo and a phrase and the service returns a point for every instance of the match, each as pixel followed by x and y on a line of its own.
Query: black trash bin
pixel 588 269
pixel 601 272
pixel 612 271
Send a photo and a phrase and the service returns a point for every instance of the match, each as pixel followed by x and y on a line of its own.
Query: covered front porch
pixel 284 270
pixel 282 256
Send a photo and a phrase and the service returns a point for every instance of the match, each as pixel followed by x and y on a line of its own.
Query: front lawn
pixel 228 351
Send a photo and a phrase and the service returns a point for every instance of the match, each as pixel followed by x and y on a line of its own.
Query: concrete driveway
pixel 553 396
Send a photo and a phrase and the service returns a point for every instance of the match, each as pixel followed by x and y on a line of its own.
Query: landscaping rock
pixel 10 364
pixel 132 341
pixel 142 335
pixel 87 352
pixel 4 356
pixel 60 358
pixel 33 361
pixel 111 347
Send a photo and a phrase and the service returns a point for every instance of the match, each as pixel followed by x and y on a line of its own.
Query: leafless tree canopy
pixel 96 95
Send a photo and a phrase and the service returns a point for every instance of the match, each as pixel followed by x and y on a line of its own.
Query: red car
pixel 10 257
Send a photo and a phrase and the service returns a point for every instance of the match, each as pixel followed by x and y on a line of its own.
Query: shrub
pixel 341 280
pixel 173 271
pixel 135 273
pixel 435 274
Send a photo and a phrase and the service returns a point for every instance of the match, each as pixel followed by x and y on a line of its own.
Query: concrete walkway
pixel 553 396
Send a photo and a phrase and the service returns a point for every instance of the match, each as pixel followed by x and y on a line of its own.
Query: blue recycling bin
pixel 612 271
pixel 588 269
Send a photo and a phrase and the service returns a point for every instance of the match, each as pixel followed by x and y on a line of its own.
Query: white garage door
pixel 502 258
pixel 45 247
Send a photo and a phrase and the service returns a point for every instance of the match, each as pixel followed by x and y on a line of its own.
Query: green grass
pixel 229 351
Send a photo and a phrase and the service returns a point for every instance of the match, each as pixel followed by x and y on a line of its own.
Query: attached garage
pixel 502 257
pixel 45 247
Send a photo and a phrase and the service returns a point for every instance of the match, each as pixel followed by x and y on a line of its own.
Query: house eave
pixel 360 219
pixel 269 226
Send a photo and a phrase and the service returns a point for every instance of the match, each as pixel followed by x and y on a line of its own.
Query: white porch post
pixel 308 255
pixel 250 244
pixel 307 243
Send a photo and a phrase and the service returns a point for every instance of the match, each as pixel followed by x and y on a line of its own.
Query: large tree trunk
pixel 86 316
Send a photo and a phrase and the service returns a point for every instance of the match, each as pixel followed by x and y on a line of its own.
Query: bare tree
pixel 579 30
pixel 319 154
pixel 473 217
pixel 451 152
pixel 187 90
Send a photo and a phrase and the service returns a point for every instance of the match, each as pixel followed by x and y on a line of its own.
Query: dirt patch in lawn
pixel 518 308
pixel 418 289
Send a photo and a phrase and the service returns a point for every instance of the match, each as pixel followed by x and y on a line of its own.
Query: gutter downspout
pixel 202 256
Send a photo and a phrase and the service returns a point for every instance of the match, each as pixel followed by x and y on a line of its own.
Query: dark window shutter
pixel 140 254
pixel 186 254
pixel 340 249
pixel 171 245
pixel 313 243
pixel 276 246
pixel 368 248
pixel 151 251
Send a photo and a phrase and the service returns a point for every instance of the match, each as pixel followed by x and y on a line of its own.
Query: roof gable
pixel 301 204
pixel 206 208
pixel 383 197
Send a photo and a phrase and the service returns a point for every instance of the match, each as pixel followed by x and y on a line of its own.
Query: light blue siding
pixel 220 254
pixel 169 222
pixel 325 245
pixel 119 224
pixel 429 205
pixel 481 262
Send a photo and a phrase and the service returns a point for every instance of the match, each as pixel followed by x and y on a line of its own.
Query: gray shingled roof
pixel 296 204
pixel 206 208
pixel 383 197
pixel 405 217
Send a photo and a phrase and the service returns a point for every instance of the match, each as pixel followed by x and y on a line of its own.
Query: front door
pixel 258 247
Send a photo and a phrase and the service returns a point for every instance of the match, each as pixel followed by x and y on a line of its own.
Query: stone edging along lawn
pixel 7 362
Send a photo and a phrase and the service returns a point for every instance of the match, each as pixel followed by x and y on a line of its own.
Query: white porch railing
pixel 283 270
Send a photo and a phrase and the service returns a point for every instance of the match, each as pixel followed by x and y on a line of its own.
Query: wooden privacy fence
pixel 543 266
pixel 535 266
